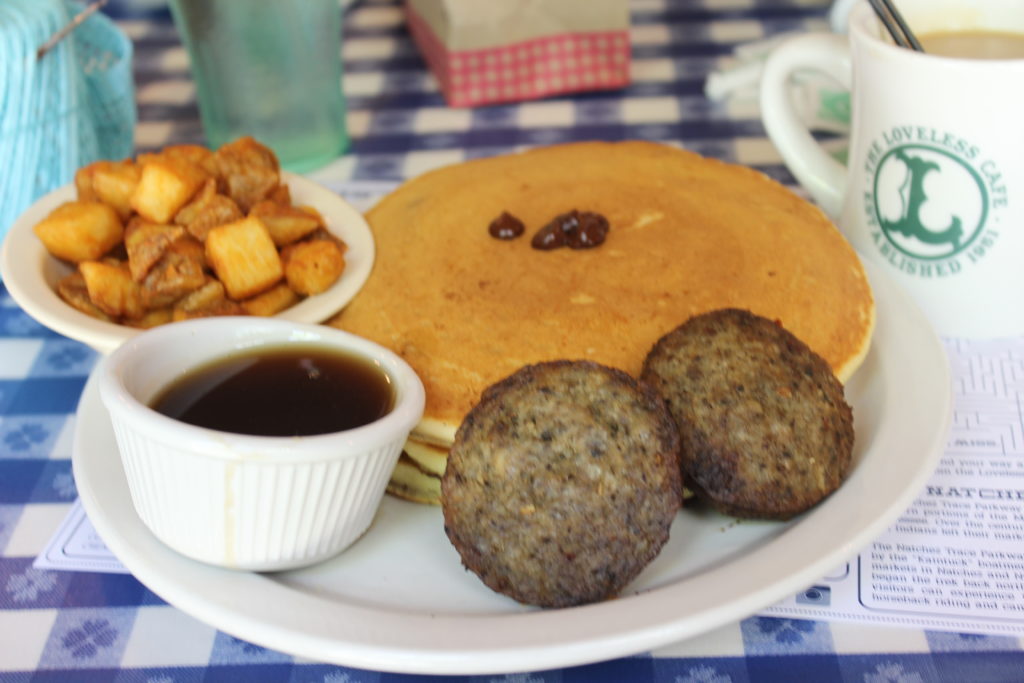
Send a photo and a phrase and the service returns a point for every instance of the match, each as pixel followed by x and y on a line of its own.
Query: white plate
pixel 30 273
pixel 399 600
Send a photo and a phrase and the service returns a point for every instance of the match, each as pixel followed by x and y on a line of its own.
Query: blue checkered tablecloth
pixel 81 626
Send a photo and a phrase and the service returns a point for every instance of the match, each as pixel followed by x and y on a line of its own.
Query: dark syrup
pixel 283 391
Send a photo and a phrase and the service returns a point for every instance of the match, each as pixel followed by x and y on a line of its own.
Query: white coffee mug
pixel 934 184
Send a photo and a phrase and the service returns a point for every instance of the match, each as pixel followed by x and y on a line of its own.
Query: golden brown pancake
pixel 417 476
pixel 430 459
pixel 687 235
pixel 411 482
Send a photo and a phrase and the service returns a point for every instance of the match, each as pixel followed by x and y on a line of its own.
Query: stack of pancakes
pixel 688 235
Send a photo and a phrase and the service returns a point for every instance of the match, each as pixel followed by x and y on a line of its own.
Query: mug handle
pixel 820 174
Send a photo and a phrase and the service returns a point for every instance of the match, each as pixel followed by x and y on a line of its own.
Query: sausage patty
pixel 562 483
pixel 765 429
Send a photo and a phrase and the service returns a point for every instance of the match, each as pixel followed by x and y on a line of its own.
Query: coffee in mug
pixel 974 44
pixel 933 187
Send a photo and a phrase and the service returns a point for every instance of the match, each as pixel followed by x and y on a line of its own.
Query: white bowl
pixel 242 501
pixel 30 273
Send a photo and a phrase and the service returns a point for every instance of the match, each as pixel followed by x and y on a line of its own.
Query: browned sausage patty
pixel 562 483
pixel 765 429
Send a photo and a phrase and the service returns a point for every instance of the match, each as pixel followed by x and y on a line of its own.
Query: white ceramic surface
pixel 31 274
pixel 399 599
pixel 238 500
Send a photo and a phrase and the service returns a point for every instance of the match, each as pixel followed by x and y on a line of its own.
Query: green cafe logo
pixel 931 200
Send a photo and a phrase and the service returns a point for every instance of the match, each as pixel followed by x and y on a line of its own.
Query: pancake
pixel 417 475
pixel 687 235
pixel 430 459
pixel 411 482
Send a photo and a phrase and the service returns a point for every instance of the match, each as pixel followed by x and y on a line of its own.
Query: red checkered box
pixel 484 52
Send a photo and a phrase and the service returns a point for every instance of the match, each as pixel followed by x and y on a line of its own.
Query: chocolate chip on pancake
pixel 562 483
pixel 765 429
pixel 574 229
pixel 506 227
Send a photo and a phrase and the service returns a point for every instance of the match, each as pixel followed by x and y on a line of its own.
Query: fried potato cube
pixel 152 318
pixel 194 154
pixel 244 257
pixel 178 272
pixel 207 210
pixel 188 213
pixel 208 300
pixel 73 291
pixel 286 224
pixel 80 230
pixel 112 289
pixel 166 185
pixel 222 307
pixel 114 183
pixel 281 194
pixel 189 247
pixel 210 292
pixel 146 244
pixel 325 234
pixel 312 211
pixel 220 209
pixel 83 184
pixel 312 266
pixel 272 301
pixel 249 170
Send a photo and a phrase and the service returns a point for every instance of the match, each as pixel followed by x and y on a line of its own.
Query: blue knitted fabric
pixel 71 107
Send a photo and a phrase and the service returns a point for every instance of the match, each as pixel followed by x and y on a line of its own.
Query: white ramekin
pixel 249 502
